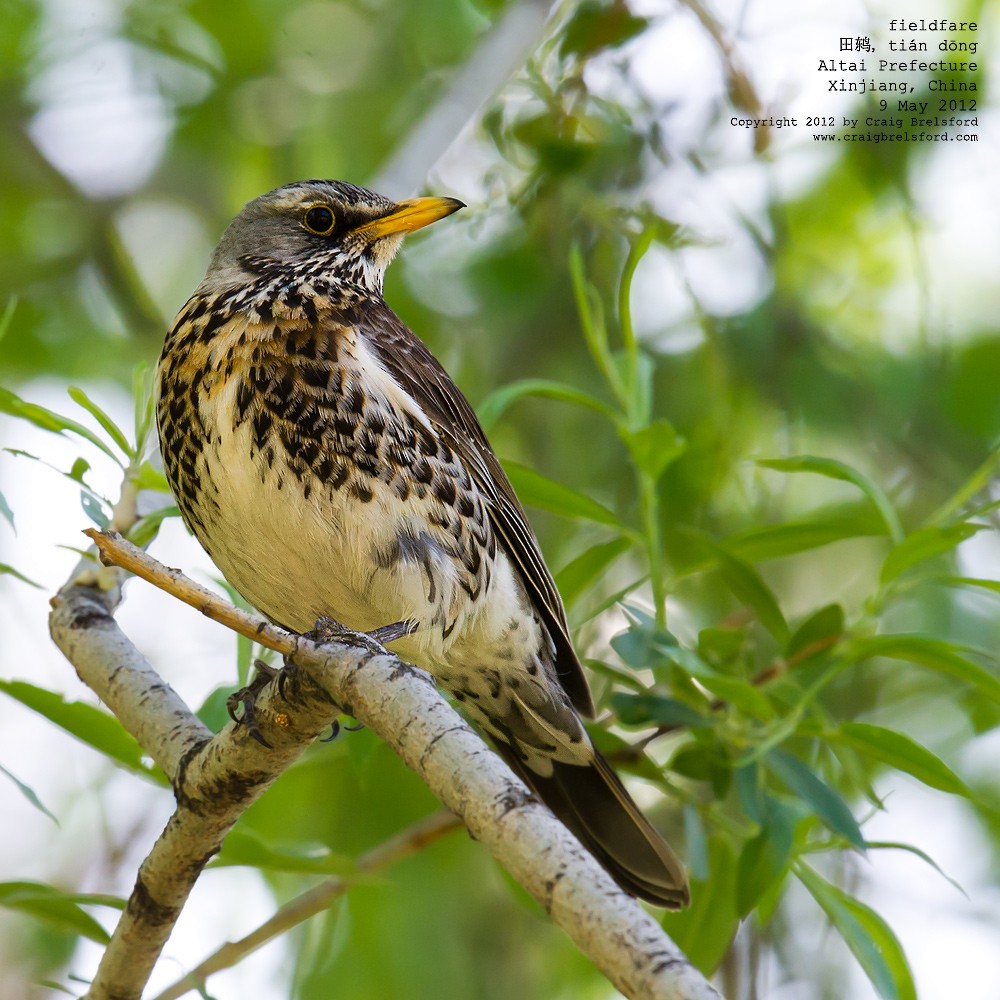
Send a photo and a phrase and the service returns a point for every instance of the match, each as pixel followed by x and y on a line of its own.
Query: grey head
pixel 320 227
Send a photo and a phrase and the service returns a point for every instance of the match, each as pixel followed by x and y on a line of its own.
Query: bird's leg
pixel 247 697
pixel 328 630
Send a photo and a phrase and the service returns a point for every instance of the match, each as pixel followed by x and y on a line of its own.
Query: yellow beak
pixel 410 215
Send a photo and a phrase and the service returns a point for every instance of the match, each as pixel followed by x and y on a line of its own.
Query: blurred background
pixel 795 297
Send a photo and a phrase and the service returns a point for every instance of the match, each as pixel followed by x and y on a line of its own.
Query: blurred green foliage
pixel 775 493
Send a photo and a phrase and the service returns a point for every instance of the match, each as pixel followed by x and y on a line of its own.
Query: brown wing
pixel 417 370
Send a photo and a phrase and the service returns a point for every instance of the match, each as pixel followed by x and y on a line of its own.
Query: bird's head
pixel 328 228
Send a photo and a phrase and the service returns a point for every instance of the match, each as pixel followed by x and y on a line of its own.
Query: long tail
pixel 593 804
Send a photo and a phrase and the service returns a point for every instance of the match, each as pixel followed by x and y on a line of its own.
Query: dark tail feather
pixel 595 807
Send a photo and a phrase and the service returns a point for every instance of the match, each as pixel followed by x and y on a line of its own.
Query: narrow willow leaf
pixel 18 575
pixel 8 315
pixel 242 847
pixel 91 725
pixel 113 430
pixel 972 581
pixel 833 469
pixel 820 629
pixel 93 509
pixel 765 859
pixel 894 845
pixel 696 842
pixel 6 513
pixel 654 709
pixel 587 567
pixel 936 654
pixel 52 907
pixel 869 937
pixel 775 541
pixel 749 587
pixel 29 793
pixel 974 485
pixel 925 544
pixel 654 448
pixel 496 403
pixel 817 794
pixel 147 528
pixel 739 693
pixel 536 490
pixel 704 931
pixel 148 478
pixel 902 753
pixel 48 420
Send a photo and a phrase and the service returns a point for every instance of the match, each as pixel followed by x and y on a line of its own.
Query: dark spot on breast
pixel 361 492
pixel 422 471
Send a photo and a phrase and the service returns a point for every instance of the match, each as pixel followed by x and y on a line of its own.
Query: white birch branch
pixel 216 779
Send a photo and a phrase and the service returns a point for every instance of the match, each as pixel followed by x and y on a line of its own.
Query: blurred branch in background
pixel 506 46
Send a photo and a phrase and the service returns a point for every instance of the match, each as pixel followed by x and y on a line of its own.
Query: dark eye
pixel 319 220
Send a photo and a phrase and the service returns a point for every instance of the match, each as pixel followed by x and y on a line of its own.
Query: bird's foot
pixel 328 630
pixel 247 697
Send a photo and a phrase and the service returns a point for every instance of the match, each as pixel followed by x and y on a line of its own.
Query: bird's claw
pixel 328 630
pixel 247 697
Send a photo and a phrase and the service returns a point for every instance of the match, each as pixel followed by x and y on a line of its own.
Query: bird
pixel 331 468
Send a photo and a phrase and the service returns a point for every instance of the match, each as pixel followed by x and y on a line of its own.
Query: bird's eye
pixel 319 220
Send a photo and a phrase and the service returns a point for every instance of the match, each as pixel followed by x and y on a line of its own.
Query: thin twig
pixel 405 843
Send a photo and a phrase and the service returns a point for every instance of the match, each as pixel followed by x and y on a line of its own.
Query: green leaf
pixel 148 478
pixel 765 859
pixel 894 845
pixel 817 633
pixel 739 693
pixel 868 936
pixel 775 541
pixel 114 431
pixel 29 793
pixel 147 528
pixel 17 574
pixel 749 587
pixel 833 469
pixel 925 544
pixel 705 929
pixel 974 485
pixel 242 847
pixel 536 490
pixel 6 513
pixel 56 908
pixel 696 842
pixel 48 420
pixel 654 448
pixel 817 794
pixel 625 755
pixel 94 510
pixel 8 316
pixel 900 752
pixel 496 403
pixel 585 569
pixel 721 647
pixel 653 709
pixel 971 581
pixel 637 647
pixel 595 26
pixel 705 761
pixel 935 654
pixel 91 725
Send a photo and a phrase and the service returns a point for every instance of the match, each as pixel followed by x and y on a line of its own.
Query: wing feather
pixel 421 375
